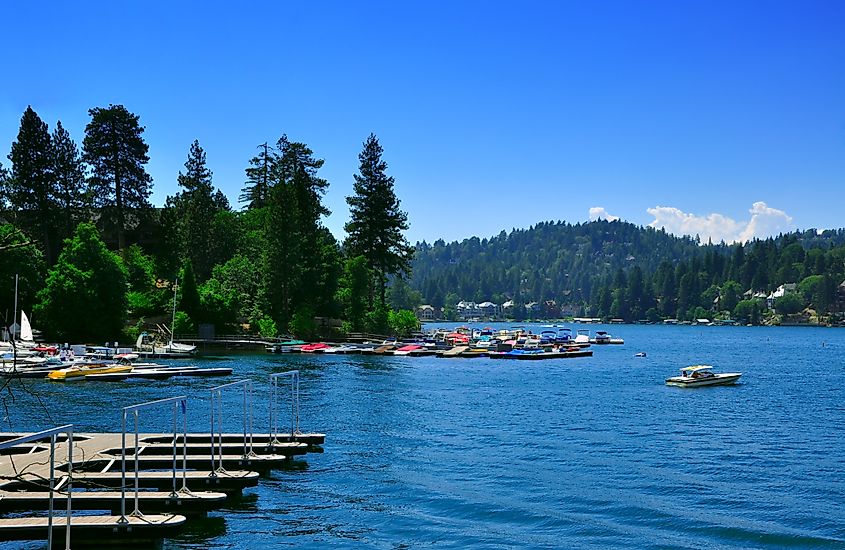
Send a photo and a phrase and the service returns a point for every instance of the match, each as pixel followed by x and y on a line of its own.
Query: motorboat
pixel 603 337
pixel 79 372
pixel 702 375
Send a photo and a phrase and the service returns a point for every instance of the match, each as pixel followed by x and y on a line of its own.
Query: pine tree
pixel 69 177
pixel 376 221
pixel 116 151
pixel 31 189
pixel 4 188
pixel 296 250
pixel 256 193
pixel 197 206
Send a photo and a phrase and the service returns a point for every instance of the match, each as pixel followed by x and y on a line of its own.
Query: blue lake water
pixel 579 453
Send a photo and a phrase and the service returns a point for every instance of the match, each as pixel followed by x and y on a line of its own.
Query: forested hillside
pixel 617 269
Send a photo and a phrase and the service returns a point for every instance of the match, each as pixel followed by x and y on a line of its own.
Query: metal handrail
pixel 217 392
pixel 66 429
pixel 294 413
pixel 134 409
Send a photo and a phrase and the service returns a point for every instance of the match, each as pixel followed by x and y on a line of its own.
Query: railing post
pixel 123 469
pixel 37 437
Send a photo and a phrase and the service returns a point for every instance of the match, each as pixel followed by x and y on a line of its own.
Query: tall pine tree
pixel 298 248
pixel 256 193
pixel 116 151
pixel 69 177
pixel 31 189
pixel 197 206
pixel 376 221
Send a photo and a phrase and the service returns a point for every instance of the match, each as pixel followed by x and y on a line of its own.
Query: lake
pixel 579 453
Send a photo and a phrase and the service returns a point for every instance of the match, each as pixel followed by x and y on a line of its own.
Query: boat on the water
pixel 79 372
pixel 603 337
pixel 702 375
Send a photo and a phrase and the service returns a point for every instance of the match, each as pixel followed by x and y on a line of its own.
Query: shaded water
pixel 578 453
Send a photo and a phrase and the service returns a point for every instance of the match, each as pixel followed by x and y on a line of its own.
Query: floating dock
pixel 146 486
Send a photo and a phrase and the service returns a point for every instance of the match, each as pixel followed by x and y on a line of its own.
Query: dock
pixel 140 487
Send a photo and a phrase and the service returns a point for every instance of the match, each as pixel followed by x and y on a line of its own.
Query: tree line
pixel 270 267
pixel 620 270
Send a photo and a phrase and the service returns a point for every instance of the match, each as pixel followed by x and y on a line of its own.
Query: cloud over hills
pixel 764 221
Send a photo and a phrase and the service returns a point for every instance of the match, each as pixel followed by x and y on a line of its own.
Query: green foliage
pixel 579 266
pixel 68 172
pixel 353 292
pixel 85 294
pixel 140 268
pixel 400 295
pixel 376 222
pixel 297 248
pixel 195 227
pixel 116 153
pixel 789 303
pixel 32 188
pixel 378 319
pixel 256 193
pixel 403 322
pixel 18 256
pixel 219 305
pixel 190 298
pixel 302 324
pixel 183 324
pixel 267 328
pixel 749 311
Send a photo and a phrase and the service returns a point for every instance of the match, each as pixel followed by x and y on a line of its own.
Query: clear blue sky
pixel 492 115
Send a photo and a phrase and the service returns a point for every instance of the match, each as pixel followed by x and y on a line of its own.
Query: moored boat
pixel 702 375
pixel 79 372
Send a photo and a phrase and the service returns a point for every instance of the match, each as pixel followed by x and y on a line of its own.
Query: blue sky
pixel 492 115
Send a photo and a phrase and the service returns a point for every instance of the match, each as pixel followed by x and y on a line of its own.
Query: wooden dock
pixel 166 496
pixel 94 528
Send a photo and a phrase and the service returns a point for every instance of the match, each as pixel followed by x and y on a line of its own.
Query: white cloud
pixel 764 222
pixel 599 213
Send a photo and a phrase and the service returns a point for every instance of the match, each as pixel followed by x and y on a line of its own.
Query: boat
pixel 702 375
pixel 284 346
pixel 79 372
pixel 640 354
pixel 602 337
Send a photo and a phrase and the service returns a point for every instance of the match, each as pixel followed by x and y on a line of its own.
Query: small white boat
pixel 702 375
pixel 602 337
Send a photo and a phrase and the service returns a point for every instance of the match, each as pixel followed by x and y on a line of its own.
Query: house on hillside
pixel 489 310
pixel 782 290
pixel 426 312
pixel 842 297
pixel 467 310
pixel 507 308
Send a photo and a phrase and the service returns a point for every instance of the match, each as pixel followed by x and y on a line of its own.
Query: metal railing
pixel 66 429
pixel 134 409
pixel 294 404
pixel 217 398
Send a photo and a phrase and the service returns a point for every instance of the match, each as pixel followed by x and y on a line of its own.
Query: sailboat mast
pixel 15 311
pixel 173 322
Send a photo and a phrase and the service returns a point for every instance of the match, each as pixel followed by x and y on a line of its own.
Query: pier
pixel 142 487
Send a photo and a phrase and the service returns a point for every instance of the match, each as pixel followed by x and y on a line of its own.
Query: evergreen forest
pixel 623 271
pixel 95 261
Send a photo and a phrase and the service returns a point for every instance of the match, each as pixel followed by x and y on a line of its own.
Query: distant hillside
pixel 583 264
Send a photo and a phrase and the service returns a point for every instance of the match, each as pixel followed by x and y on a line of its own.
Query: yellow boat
pixel 79 372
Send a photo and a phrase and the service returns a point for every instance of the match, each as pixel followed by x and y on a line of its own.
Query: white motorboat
pixel 702 375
